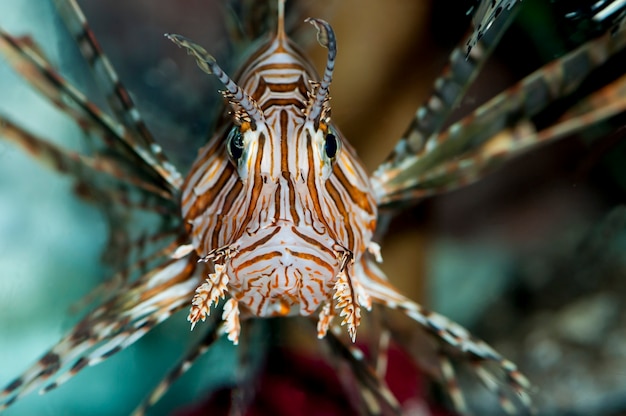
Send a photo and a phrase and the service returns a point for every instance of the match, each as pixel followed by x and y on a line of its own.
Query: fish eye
pixel 331 145
pixel 234 144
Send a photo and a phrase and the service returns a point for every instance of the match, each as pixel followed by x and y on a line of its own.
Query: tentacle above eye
pixel 318 108
pixel 207 63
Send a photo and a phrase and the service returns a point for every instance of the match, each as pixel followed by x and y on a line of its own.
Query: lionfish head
pixel 276 203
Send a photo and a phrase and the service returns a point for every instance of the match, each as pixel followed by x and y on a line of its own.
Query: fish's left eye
pixel 331 146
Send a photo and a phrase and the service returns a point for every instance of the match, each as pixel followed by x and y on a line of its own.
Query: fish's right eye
pixel 234 144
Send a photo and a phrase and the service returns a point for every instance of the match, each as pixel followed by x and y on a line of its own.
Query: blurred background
pixel 530 258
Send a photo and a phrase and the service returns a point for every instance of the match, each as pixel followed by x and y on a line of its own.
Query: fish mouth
pixel 280 272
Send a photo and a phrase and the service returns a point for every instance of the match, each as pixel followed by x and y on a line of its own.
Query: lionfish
pixel 277 216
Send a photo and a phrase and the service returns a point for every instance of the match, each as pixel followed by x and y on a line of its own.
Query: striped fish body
pixel 285 219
